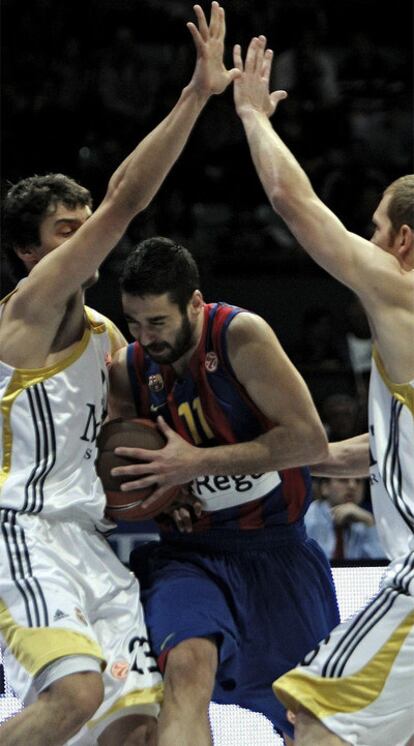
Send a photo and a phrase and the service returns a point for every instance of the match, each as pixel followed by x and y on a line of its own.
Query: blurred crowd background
pixel 85 80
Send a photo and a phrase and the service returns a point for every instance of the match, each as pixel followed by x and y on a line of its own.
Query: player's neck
pixel 180 366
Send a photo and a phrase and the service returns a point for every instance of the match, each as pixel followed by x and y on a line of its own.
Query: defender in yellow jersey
pixel 357 687
pixel 69 610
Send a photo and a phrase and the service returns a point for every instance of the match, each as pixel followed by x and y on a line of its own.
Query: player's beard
pixel 166 353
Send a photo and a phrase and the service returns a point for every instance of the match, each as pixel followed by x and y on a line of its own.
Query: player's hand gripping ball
pixel 134 433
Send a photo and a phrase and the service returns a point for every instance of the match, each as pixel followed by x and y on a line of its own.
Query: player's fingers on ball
pixel 153 498
pixel 198 508
pixel 185 519
pixel 130 470
pixel 138 484
pixel 178 520
pixel 140 454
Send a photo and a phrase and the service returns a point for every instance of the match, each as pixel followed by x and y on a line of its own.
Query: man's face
pixel 339 491
pixel 164 332
pixel 60 223
pixel 383 235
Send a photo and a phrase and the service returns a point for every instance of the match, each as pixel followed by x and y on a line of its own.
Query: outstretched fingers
pixel 254 56
pixel 217 21
pixel 260 54
pixel 198 39
pixel 267 64
pixel 250 60
pixel 237 58
pixel 202 22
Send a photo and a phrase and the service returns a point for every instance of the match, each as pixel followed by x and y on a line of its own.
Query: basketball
pixel 134 433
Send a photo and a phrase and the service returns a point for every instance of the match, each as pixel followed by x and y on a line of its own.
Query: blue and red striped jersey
pixel 208 407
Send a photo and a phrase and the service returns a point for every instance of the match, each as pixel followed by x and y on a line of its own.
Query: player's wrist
pixel 248 113
pixel 196 93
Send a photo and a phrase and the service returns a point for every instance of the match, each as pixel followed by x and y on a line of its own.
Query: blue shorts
pixel 266 597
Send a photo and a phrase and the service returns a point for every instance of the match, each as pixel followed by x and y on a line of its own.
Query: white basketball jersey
pixel 50 418
pixel 391 426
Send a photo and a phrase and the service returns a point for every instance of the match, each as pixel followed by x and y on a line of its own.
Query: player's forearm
pixel 139 177
pixel 130 190
pixel 347 458
pixel 282 177
pixel 280 448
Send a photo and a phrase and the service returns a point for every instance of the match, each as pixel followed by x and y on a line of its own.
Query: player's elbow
pixel 291 201
pixel 278 198
pixel 316 443
pixel 124 199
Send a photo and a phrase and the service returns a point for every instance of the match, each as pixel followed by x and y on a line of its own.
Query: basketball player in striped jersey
pixel 76 647
pixel 239 422
pixel 357 687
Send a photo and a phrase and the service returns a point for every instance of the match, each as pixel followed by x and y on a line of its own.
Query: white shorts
pixel 360 681
pixel 65 594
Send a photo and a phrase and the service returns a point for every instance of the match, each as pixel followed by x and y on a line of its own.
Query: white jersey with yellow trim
pixel 391 429
pixel 50 418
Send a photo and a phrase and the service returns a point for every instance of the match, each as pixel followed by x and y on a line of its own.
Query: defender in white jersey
pixel 69 610
pixel 67 603
pixel 357 687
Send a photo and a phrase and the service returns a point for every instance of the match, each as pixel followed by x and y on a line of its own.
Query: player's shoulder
pixel 101 323
pixel 246 326
pixel 387 292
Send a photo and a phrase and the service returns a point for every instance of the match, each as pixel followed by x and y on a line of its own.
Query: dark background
pixel 83 82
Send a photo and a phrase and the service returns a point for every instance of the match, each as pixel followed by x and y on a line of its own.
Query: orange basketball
pixel 134 433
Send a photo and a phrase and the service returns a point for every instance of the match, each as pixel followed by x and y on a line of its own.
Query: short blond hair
pixel 401 205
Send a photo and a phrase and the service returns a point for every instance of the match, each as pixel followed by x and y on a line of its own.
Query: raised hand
pixel 251 87
pixel 210 74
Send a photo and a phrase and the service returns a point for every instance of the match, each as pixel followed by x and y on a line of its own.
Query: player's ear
pixel 29 255
pixel 405 248
pixel 197 301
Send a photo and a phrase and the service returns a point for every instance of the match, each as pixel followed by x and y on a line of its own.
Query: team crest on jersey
pixel 156 382
pixel 119 670
pixel 211 362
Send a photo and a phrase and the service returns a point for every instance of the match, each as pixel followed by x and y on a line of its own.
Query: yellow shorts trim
pixel 320 696
pixel 150 695
pixel 36 647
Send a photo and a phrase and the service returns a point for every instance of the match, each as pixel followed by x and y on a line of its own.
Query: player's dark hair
pixel 158 266
pixel 27 203
pixel 401 205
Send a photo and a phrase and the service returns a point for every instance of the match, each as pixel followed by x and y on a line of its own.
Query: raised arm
pixel 346 256
pixel 138 178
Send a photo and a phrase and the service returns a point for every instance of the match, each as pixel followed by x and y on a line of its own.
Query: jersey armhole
pixel 133 375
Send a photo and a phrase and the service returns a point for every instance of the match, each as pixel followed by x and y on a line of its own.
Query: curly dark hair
pixel 26 204
pixel 159 265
